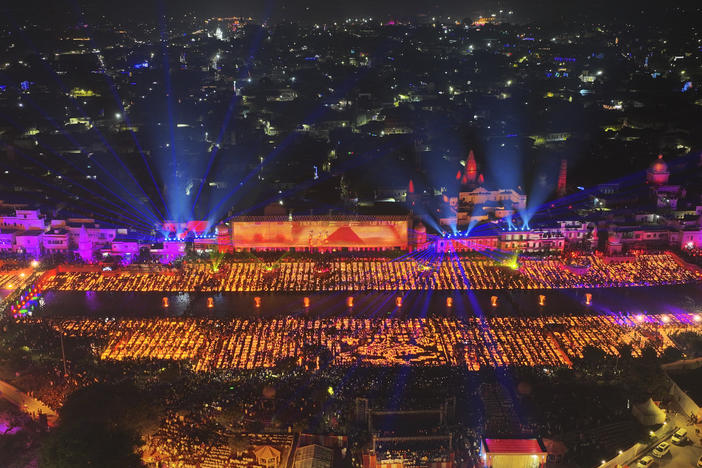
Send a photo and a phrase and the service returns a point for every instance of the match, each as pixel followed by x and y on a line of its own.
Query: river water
pixel 648 300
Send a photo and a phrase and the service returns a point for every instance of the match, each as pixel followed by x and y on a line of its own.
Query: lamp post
pixel 63 355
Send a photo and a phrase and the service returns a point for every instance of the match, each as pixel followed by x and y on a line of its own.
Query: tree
pixel 625 351
pixel 671 354
pixel 649 356
pixel 593 357
pixel 119 406
pixel 90 444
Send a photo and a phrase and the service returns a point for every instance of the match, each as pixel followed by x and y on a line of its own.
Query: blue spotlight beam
pixel 57 188
pixel 50 150
pixel 230 110
pixel 79 108
pixel 169 100
pixel 307 184
pixel 79 146
pixel 39 163
pixel 313 117
pixel 125 115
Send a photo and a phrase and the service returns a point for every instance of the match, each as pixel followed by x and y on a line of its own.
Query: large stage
pixel 318 233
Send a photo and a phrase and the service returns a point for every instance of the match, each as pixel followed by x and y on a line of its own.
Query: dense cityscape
pixel 303 235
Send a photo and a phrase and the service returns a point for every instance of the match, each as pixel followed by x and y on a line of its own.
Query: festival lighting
pixel 449 302
pixel 493 301
pixel 505 341
pixel 398 301
pixel 306 302
pixel 110 174
pixel 210 303
pixel 542 300
pixel 135 215
pixel 349 301
pixel 588 299
pixel 164 302
pixel 421 270
pixel 257 302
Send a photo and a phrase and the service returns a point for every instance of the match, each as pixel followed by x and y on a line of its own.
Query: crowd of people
pixel 384 275
pixel 211 344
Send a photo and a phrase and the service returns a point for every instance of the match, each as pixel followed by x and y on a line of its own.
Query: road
pixel 26 403
pixel 684 456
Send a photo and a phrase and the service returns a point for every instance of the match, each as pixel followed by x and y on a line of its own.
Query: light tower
pixel 561 190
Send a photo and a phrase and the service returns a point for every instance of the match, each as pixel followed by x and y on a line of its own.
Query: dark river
pixel 650 300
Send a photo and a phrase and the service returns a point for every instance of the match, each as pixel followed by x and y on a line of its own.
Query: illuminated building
pixel 123 246
pixel 665 195
pixel 313 456
pixel 181 230
pixel 29 242
pixel 540 237
pixel 483 20
pixel 224 240
pixel 24 219
pixel 55 240
pixel 476 203
pixel 418 237
pixel 481 204
pixel 7 239
pixel 319 233
pixel 499 453
pixel 658 173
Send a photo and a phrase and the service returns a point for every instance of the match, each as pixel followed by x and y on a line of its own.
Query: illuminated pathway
pixel 26 403
pixel 384 275
pixel 501 341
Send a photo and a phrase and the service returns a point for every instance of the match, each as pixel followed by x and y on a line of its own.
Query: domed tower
pixel 224 240
pixel 658 173
pixel 419 236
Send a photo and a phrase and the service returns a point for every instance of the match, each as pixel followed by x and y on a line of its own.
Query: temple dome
pixel 658 172
pixel 659 166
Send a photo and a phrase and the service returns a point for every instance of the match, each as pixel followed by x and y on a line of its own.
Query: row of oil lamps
pixel 398 301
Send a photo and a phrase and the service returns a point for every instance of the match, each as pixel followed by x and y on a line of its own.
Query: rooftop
pixel 515 446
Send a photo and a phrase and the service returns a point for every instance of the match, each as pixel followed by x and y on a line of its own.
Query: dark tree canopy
pixel 90 445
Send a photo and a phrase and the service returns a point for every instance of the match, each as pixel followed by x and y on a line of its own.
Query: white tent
pixel 648 413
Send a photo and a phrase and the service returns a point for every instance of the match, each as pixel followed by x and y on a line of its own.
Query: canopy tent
pixel 648 413
pixel 513 453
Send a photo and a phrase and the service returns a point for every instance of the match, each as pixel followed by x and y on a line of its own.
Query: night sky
pixel 326 10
